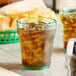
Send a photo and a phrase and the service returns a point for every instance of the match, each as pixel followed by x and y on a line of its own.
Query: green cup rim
pixel 53 20
pixel 68 9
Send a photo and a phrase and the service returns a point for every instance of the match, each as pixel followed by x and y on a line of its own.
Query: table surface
pixel 10 58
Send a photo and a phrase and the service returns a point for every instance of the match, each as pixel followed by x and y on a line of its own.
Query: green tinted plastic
pixel 8 37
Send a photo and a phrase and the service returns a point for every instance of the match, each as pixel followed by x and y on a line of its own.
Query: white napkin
pixel 24 5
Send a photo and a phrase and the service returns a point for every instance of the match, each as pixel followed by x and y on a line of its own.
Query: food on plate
pixel 8 22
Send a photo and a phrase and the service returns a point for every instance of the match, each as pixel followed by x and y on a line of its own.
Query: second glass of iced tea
pixel 36 40
pixel 68 19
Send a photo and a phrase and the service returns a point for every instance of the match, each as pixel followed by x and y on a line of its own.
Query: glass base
pixel 42 68
pixel 64 50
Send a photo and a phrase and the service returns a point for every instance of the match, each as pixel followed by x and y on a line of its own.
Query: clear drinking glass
pixel 68 19
pixel 36 40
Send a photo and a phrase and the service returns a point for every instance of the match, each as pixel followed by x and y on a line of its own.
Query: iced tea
pixel 68 19
pixel 36 44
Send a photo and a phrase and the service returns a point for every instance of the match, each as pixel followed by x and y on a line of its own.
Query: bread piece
pixel 4 23
pixel 13 24
pixel 48 13
pixel 2 16
pixel 34 13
